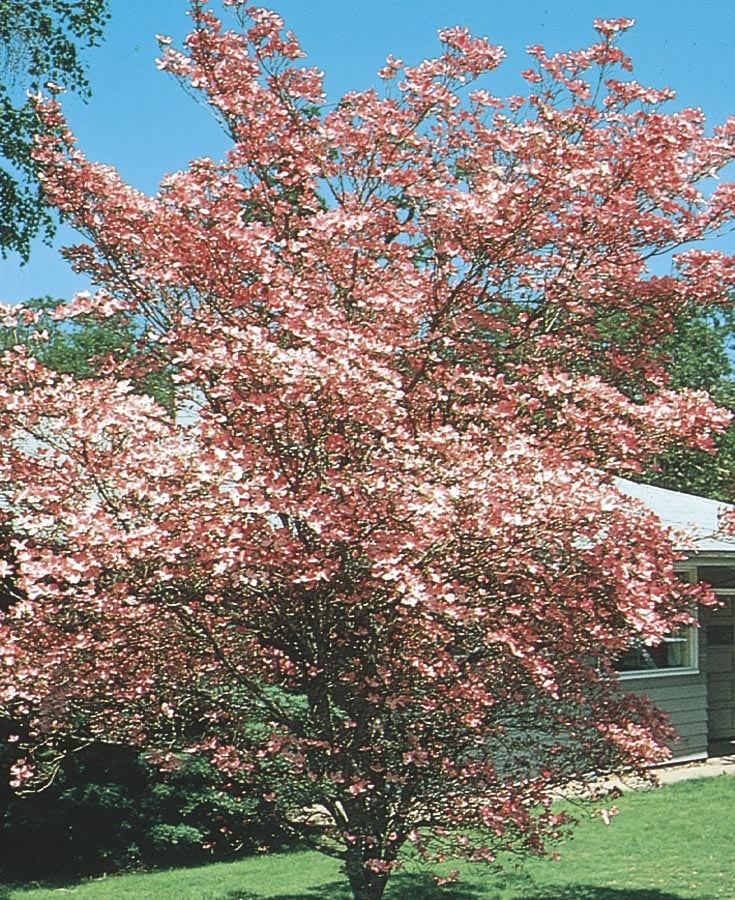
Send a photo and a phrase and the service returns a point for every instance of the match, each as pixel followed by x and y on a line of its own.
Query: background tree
pixel 700 356
pixel 87 346
pixel 39 44
pixel 379 570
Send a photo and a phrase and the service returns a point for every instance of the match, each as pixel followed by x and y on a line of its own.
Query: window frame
pixel 688 634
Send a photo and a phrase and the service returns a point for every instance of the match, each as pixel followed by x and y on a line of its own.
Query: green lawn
pixel 672 843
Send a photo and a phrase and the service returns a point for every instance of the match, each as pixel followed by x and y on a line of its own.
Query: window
pixel 676 653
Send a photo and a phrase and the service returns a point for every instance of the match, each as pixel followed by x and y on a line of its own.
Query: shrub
pixel 108 809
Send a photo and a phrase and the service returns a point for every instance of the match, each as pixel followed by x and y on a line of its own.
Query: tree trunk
pixel 365 884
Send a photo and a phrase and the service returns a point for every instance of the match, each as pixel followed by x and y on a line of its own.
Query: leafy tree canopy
pixel 40 43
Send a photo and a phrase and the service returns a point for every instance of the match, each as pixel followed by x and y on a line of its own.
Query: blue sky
pixel 140 120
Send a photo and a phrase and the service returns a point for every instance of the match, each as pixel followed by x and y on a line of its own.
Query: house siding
pixel 684 699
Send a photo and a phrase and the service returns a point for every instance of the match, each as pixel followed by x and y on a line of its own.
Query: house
pixel 691 675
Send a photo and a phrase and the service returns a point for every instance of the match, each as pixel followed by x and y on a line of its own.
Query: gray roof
pixel 697 517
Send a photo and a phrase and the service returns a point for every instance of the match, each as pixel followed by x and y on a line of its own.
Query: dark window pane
pixel 717 576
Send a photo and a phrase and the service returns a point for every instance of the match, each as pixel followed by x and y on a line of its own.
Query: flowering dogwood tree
pixel 376 567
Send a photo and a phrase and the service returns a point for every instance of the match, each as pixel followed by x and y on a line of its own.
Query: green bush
pixel 108 810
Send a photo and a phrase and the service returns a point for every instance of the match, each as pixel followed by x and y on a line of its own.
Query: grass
pixel 671 843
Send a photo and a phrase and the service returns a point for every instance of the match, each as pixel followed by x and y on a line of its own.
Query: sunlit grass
pixel 672 843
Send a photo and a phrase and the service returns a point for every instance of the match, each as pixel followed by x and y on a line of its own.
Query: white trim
pixel 675 760
pixel 656 673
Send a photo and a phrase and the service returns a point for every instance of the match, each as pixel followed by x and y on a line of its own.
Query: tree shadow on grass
pixel 331 891
pixel 410 887
pixel 401 887
pixel 595 892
